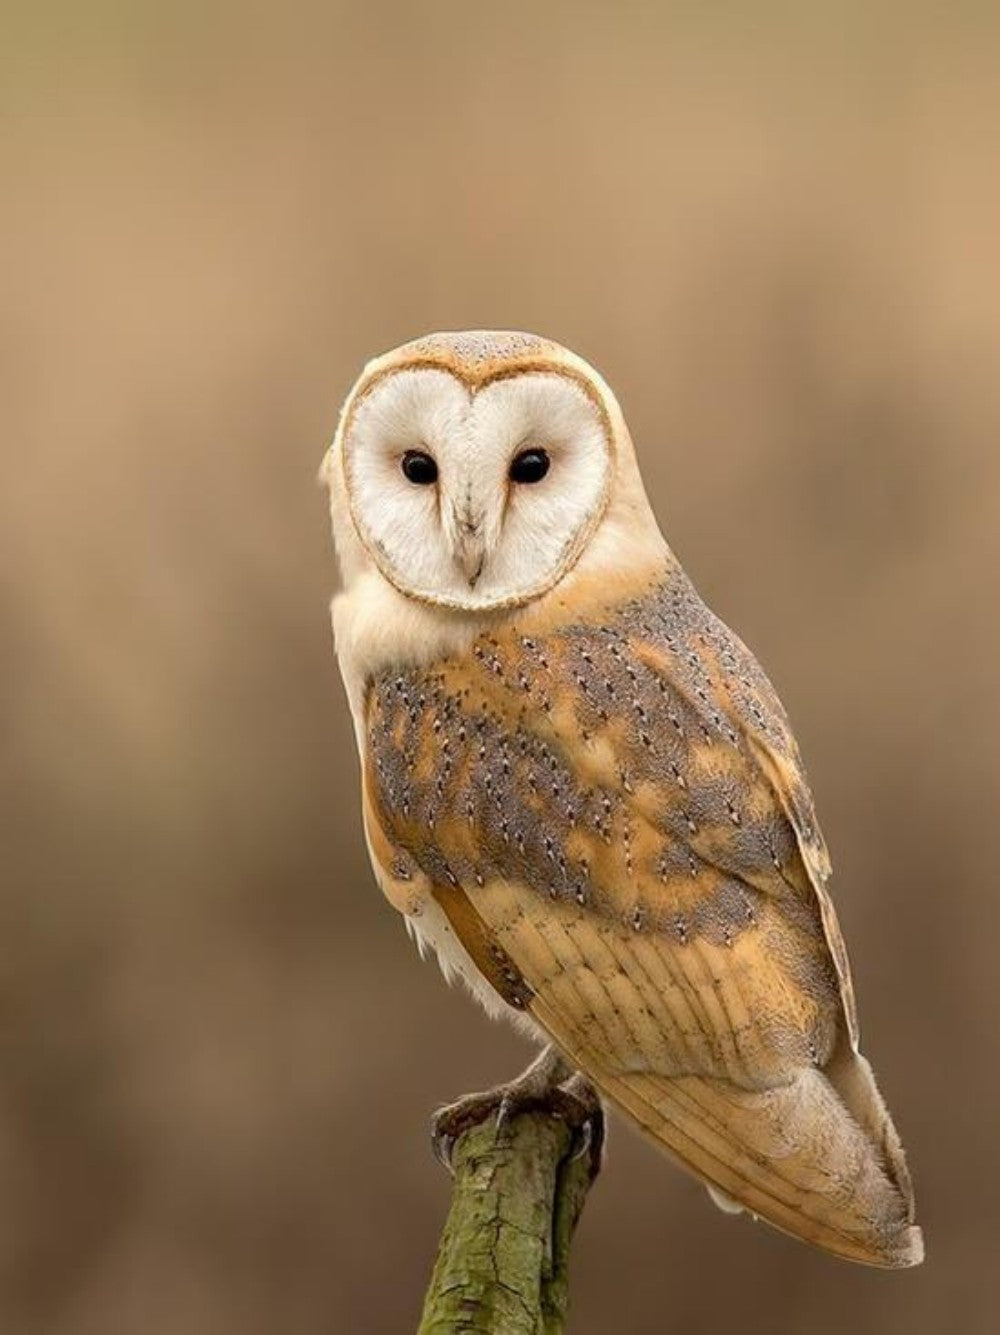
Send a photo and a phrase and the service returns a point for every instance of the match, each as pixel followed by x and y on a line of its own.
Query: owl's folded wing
pixel 681 1039
pixel 647 881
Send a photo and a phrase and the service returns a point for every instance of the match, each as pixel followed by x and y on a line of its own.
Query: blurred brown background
pixel 775 229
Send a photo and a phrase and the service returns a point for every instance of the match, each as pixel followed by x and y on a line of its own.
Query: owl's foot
pixel 549 1085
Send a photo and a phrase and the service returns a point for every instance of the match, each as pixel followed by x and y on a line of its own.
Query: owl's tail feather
pixel 821 1163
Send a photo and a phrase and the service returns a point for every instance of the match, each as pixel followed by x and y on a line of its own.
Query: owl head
pixel 475 470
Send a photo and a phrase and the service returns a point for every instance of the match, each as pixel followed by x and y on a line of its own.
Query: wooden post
pixel 503 1259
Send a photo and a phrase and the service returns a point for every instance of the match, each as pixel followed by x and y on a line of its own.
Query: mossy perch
pixel 502 1264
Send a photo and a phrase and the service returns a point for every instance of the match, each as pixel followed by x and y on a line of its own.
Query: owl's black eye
pixel 529 466
pixel 419 468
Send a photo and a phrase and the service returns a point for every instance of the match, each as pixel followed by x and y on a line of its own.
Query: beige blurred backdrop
pixel 775 229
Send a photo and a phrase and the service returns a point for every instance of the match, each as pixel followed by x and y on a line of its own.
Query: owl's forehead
pixel 474 350
pixel 478 357
pixel 472 354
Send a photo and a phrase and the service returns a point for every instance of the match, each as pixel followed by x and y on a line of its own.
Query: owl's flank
pixel 582 792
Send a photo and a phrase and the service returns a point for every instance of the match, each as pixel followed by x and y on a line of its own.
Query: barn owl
pixel 581 791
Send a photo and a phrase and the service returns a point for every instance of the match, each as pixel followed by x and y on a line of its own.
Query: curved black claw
pixel 453 1119
pixel 589 1126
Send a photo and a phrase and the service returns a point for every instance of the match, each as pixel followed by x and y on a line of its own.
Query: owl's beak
pixel 470 547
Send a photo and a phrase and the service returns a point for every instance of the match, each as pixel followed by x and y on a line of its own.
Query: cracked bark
pixel 502 1263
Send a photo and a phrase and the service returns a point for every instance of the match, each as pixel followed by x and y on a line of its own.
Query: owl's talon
pixel 505 1111
pixel 451 1121
pixel 443 1147
pixel 583 1138
pixel 589 1130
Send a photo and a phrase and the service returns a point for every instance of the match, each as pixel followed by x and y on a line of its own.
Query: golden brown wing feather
pixel 618 828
